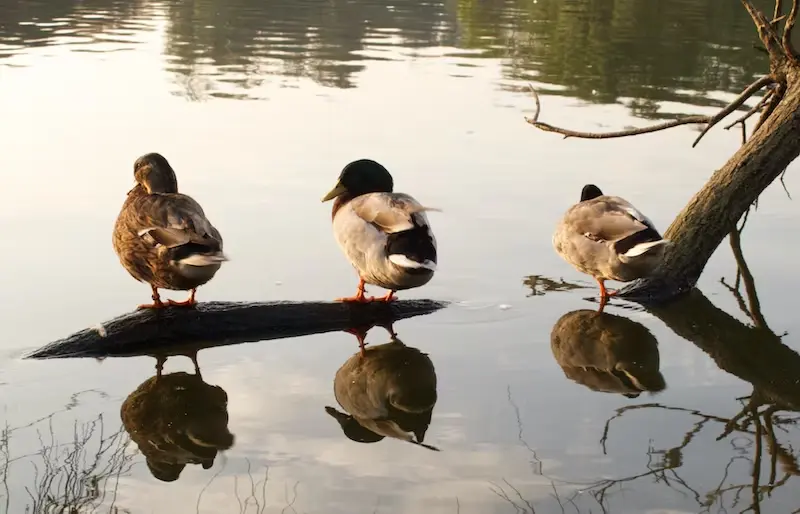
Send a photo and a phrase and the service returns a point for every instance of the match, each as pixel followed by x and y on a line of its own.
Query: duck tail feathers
pixel 203 259
pixel 643 248
pixel 405 262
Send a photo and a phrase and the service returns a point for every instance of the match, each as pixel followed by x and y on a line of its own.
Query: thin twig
pixel 765 31
pixel 778 10
pixel 710 121
pixel 747 93
pixel 774 100
pixel 757 107
pixel 786 41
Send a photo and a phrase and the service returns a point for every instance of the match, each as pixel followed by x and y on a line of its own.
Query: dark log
pixel 182 330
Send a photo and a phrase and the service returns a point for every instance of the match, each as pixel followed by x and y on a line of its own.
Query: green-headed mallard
pixel 163 237
pixel 385 235
pixel 608 238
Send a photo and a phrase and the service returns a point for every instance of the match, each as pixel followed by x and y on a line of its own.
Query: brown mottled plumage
pixel 163 237
pixel 175 420
pixel 608 238
pixel 389 391
pixel 607 353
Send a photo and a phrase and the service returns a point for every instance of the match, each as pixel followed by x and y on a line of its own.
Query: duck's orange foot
pixel 155 305
pixel 356 299
pixel 361 335
pixel 389 297
pixel 191 302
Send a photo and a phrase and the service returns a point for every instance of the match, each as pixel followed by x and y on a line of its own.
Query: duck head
pixel 590 192
pixel 361 177
pixel 153 173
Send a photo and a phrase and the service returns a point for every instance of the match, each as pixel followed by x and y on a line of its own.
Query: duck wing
pixel 178 223
pixel 391 212
pixel 410 243
pixel 610 219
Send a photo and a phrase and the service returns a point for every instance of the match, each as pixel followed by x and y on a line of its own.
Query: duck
pixel 163 237
pixel 177 419
pixel 389 391
pixel 385 235
pixel 607 353
pixel 608 238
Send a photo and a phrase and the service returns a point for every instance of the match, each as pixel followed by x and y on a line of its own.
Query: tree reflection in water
pixel 770 413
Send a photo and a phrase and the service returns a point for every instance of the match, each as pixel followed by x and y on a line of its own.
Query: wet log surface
pixel 174 330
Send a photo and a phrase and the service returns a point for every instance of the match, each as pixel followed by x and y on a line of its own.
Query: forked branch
pixel 709 121
pixel 786 41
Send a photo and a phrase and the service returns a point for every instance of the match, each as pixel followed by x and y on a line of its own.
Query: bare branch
pixel 765 30
pixel 760 105
pixel 786 41
pixel 747 93
pixel 785 190
pixel 778 11
pixel 774 99
pixel 710 121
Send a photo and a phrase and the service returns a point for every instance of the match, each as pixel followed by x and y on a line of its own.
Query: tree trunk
pixel 714 211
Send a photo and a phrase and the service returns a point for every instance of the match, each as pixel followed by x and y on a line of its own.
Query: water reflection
pixel 77 473
pixel 604 51
pixel 388 390
pixel 607 353
pixel 177 419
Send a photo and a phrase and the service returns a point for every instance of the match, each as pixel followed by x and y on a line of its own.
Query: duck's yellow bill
pixel 333 193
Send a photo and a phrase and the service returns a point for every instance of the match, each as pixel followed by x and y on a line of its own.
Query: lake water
pixel 258 105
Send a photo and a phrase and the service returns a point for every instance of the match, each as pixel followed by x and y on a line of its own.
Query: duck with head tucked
pixel 385 235
pixel 162 237
pixel 608 238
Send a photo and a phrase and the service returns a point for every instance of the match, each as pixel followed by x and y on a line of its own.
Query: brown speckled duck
pixel 163 237
pixel 607 353
pixel 608 238
pixel 175 420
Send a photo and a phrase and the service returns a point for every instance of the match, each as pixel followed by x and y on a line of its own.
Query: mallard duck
pixel 175 420
pixel 385 235
pixel 608 238
pixel 607 353
pixel 389 391
pixel 163 237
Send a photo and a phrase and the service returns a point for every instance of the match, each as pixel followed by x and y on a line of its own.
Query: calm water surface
pixel 258 105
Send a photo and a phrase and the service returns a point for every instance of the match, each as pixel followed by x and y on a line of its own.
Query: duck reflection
pixel 388 390
pixel 177 419
pixel 607 353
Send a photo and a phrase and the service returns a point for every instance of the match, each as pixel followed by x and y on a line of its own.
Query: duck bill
pixel 337 190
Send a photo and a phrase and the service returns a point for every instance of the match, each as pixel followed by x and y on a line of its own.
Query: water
pixel 258 106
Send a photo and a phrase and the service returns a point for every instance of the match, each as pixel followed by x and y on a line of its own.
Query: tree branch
pixel 766 32
pixel 710 121
pixel 786 41
pixel 778 10
pixel 735 104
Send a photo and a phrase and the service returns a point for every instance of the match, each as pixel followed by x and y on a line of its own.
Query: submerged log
pixel 182 330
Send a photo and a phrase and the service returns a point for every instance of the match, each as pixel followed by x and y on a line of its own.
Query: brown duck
pixel 163 237
pixel 175 420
